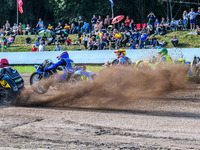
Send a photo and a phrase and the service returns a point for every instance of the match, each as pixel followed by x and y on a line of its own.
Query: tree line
pixel 67 11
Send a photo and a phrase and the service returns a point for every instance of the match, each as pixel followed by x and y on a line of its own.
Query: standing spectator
pixel 180 24
pixel 107 22
pixel 58 28
pixel 85 40
pixel 7 24
pixel 68 41
pixel 80 23
pixel 173 25
pixel 20 28
pixel 15 29
pixel 73 29
pixel 151 17
pixel 174 41
pixel 93 21
pixel 198 17
pixel 58 48
pixel 185 18
pixel 34 49
pixel 127 22
pixel 39 24
pixel 41 47
pixel 192 15
pixel 26 30
pixel 102 45
pixel 100 20
pixel 132 24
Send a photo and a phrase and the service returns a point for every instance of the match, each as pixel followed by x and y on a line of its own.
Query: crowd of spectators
pixel 102 34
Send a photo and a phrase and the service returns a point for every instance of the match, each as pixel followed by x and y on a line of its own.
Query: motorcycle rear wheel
pixel 7 96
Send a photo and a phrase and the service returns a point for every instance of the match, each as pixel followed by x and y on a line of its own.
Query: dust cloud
pixel 114 86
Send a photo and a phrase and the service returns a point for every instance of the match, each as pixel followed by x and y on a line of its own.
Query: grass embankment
pixel 31 69
pixel 185 41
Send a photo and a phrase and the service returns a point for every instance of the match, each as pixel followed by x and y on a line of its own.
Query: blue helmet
pixel 64 55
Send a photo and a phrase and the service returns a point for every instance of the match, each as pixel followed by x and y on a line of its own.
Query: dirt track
pixel 169 122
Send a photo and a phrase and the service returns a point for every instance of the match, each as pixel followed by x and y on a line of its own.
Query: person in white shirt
pixel 58 48
pixel 192 16
pixel 41 47
pixel 185 17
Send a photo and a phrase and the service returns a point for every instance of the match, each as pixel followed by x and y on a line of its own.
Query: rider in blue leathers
pixel 64 61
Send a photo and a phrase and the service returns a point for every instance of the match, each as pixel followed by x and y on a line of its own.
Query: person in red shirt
pixel 68 41
pixel 127 22
pixel 34 49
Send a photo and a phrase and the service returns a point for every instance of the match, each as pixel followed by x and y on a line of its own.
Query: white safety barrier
pixel 94 57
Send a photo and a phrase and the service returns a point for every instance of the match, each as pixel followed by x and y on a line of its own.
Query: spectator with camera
pixel 151 17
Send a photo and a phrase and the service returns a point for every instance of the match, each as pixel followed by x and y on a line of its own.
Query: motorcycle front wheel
pixel 35 78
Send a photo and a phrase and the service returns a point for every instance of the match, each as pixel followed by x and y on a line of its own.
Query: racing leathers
pixel 64 62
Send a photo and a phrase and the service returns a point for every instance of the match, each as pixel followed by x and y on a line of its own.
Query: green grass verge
pixel 185 41
pixel 31 69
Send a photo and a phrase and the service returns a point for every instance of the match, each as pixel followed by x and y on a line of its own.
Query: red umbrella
pixel 117 19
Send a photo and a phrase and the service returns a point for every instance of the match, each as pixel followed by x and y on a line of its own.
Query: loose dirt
pixel 121 109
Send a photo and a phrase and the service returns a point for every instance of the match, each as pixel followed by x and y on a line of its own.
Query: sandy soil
pixel 167 122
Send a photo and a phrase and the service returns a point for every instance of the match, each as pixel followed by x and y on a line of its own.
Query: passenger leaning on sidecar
pixel 123 59
pixel 6 71
pixel 64 61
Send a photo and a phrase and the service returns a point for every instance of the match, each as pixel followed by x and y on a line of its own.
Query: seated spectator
pixel 149 29
pixel 73 29
pixel 173 25
pixel 50 27
pixel 10 40
pixel 167 24
pixel 112 43
pixel 96 44
pixel 67 28
pixel 93 36
pixel 132 44
pixel 15 29
pixel 58 48
pixel 41 47
pixel 50 40
pixel 174 41
pixel 180 25
pixel 122 28
pixel 91 45
pixel 118 37
pixel 102 45
pixel 109 38
pixel 62 38
pixel 125 39
pixel 97 27
pixel 20 27
pixel 143 38
pixel 156 23
pixel 68 41
pixel 158 29
pixel 163 31
pixel 135 35
pixel 26 30
pixel 103 37
pixel 34 49
pixel 8 30
pixel 42 28
pixel 197 30
pixel 58 28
